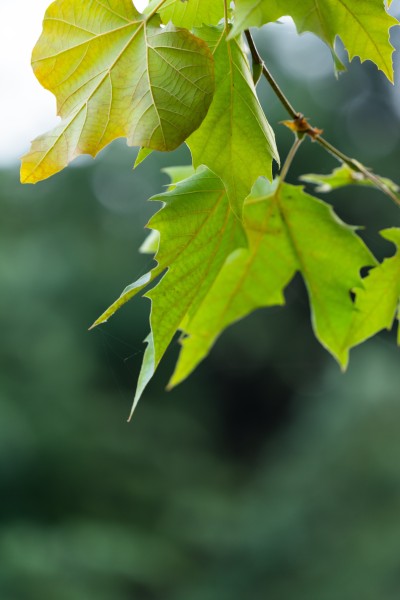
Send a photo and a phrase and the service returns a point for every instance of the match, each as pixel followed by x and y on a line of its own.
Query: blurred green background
pixel 269 474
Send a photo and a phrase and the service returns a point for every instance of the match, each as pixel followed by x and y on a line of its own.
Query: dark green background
pixel 268 474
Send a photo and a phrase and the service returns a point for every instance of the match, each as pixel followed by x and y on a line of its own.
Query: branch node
pixel 301 127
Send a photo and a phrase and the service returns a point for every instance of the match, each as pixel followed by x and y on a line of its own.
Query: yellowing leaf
pixel 362 25
pixel 190 13
pixel 116 75
pixel 377 299
pixel 235 139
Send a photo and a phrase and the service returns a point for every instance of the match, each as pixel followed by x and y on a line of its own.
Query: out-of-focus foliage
pixel 342 176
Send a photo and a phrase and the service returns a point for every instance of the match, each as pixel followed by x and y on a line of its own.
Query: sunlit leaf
pixel 190 13
pixel 235 139
pixel 151 243
pixel 363 26
pixel 330 256
pixel 198 231
pixel 116 75
pixel 288 231
pixel 149 246
pixel 251 278
pixel 142 155
pixel 214 277
pixel 177 174
pixel 343 176
pixel 377 299
pixel 228 239
pixel 129 292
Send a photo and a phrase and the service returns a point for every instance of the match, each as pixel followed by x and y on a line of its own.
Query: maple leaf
pixel 189 14
pixel 149 246
pixel 218 271
pixel 377 298
pixel 235 139
pixel 226 241
pixel 343 176
pixel 116 75
pixel 197 232
pixel 363 26
pixel 288 231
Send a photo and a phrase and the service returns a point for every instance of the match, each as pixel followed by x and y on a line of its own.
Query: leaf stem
pixel 278 92
pixel 226 14
pixel 289 159
pixel 313 132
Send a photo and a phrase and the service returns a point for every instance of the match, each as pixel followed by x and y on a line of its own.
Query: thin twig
pixel 289 159
pixel 278 92
pixel 358 168
pixel 312 132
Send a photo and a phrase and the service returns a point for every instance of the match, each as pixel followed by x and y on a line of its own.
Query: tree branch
pixel 301 126
pixel 278 92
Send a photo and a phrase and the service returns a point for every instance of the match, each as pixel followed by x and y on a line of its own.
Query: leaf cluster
pixel 228 238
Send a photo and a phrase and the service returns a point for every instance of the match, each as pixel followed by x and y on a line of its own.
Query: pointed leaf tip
pixel 198 231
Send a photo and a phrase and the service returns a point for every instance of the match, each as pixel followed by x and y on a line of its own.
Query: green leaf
pixel 363 26
pixel 116 75
pixel 288 231
pixel 177 174
pixel 129 292
pixel 377 299
pixel 343 176
pixel 151 243
pixel 198 231
pixel 189 13
pixel 235 139
pixel 149 246
pixel 217 270
pixel 251 278
pixel 141 156
pixel 330 257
